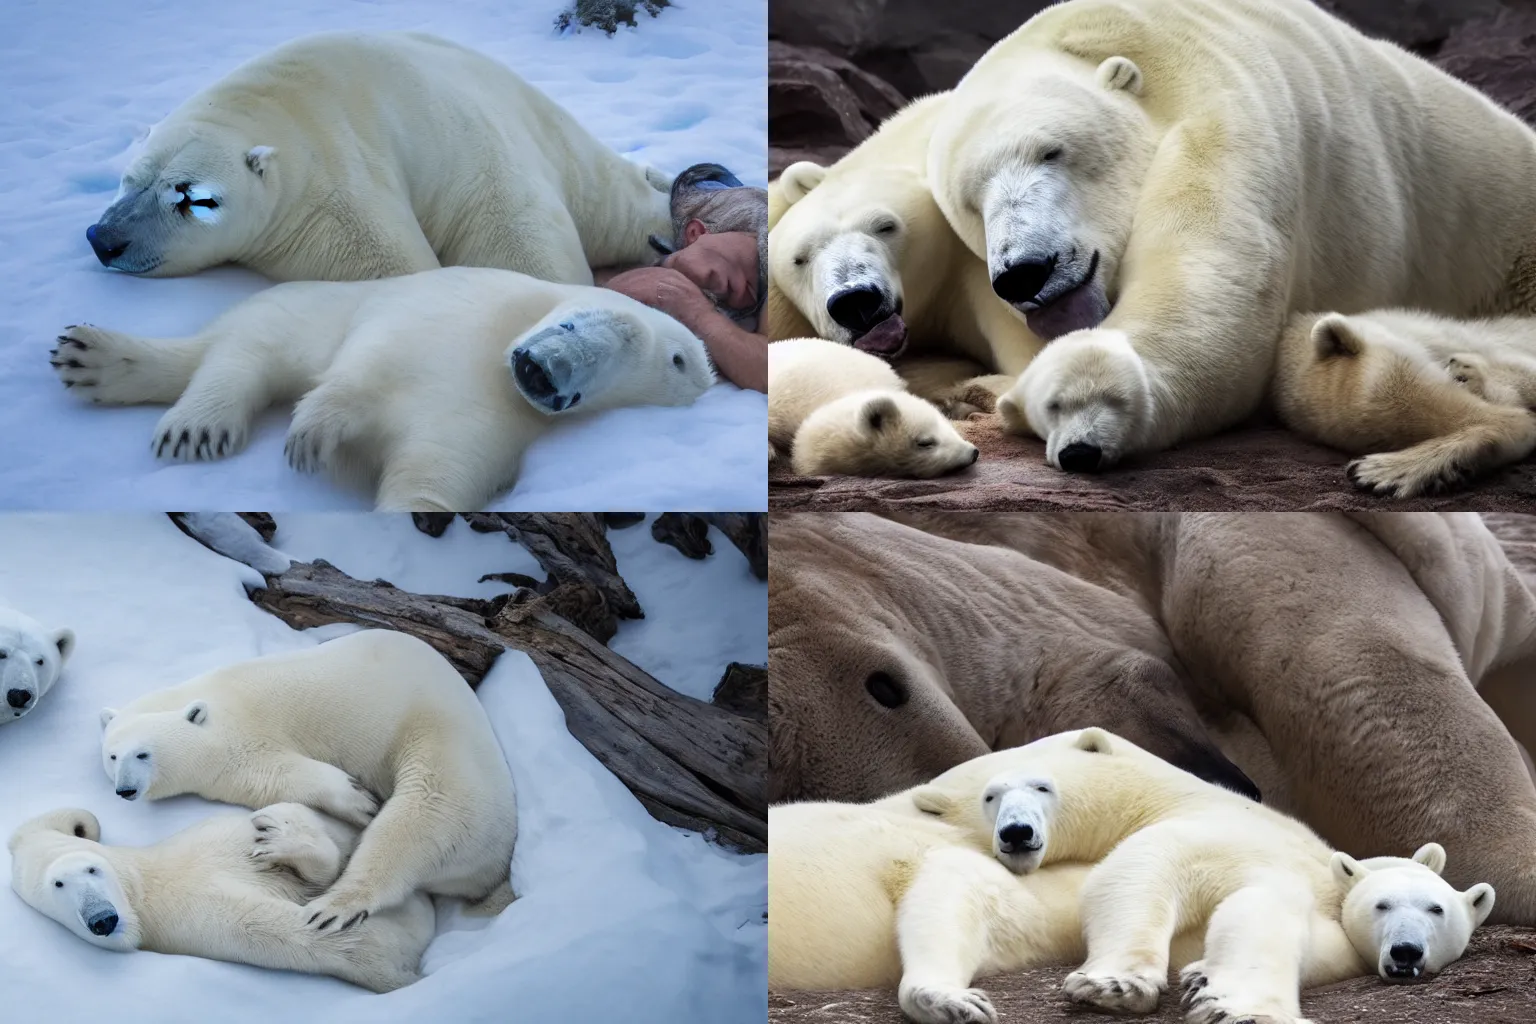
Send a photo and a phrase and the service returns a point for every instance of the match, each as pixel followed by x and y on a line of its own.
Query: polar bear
pixel 841 410
pixel 31 659
pixel 1159 184
pixel 186 894
pixel 426 424
pixel 1177 856
pixel 861 255
pixel 1439 401
pixel 348 156
pixel 375 728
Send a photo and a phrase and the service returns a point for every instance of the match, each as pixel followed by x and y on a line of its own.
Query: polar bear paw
pixel 99 366
pixel 355 804
pixel 200 431
pixel 1223 1003
pixel 1470 371
pixel 935 1004
pixel 287 836
pixel 1117 993
pixel 322 422
pixel 1407 473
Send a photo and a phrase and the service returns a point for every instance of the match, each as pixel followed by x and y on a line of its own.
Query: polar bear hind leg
pixel 534 238
pixel 1254 947
pixel 1487 437
pixel 113 368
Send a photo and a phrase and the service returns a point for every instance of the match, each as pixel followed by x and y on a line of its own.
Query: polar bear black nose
pixel 857 309
pixel 103 924
pixel 1021 282
pixel 18 698
pixel 1406 953
pixel 1017 837
pixel 1080 458
pixel 107 246
pixel 535 382
pixel 127 794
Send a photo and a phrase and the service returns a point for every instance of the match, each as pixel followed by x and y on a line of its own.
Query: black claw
pixel 312 917
pixel 74 364
pixel 327 922
pixel 223 441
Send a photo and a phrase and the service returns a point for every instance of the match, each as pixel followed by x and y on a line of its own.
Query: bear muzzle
pixel 106 243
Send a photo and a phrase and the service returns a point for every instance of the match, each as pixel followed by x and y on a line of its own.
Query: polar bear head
pixel 1403 917
pixel 852 248
pixel 198 194
pixel 58 868
pixel 1038 163
pixel 1019 805
pixel 31 659
pixel 153 754
pixel 607 355
pixel 1089 396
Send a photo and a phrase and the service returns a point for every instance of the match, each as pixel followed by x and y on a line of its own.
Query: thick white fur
pixel 1429 402
pixel 405 385
pixel 1224 186
pixel 232 887
pixel 870 219
pixel 31 658
pixel 350 156
pixel 806 373
pixel 373 723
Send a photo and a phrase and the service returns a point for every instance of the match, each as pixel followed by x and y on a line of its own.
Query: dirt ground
pixel 1494 983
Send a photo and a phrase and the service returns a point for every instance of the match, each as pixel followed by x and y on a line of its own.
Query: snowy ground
pixel 620 918
pixel 84 78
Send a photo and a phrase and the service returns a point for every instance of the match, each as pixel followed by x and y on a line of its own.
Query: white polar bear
pixel 1179 857
pixel 232 887
pixel 349 156
pixel 426 388
pixel 31 658
pixel 861 255
pixel 1428 402
pixel 837 409
pixel 375 712
pixel 1159 184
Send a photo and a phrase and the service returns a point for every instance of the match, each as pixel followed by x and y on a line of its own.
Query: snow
pixel 619 917
pixel 84 80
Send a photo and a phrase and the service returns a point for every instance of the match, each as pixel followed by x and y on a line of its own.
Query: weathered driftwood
pixel 689 533
pixel 684 531
pixel 691 764
pixel 743 689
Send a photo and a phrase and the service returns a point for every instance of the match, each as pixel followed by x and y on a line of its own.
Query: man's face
pixel 724 266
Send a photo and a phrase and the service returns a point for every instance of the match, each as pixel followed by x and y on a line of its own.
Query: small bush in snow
pixel 607 15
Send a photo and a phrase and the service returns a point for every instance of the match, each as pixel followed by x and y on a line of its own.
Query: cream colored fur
pixel 232 887
pixel 1254 162
pixel 880 433
pixel 349 156
pixel 375 728
pixel 409 387
pixel 1429 402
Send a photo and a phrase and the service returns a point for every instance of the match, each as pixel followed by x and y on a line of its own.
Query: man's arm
pixel 740 356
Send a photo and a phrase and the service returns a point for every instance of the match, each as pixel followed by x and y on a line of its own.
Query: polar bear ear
pixel 932 800
pixel 799 178
pixel 107 714
pixel 1432 856
pixel 1346 870
pixel 1094 740
pixel 1334 335
pixel 196 712
pixel 64 640
pixel 880 413
pixel 259 159
pixel 1479 902
pixel 1119 74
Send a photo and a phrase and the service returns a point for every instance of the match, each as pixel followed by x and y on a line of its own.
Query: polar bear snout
pixel 1404 961
pixel 1019 806
pixel 106 243
pixel 101 921
pixel 1018 837
pixel 18 698
pixel 536 378
pixel 1081 457
pixel 861 307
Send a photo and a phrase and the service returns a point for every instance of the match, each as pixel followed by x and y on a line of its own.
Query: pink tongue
pixel 886 338
pixel 1078 309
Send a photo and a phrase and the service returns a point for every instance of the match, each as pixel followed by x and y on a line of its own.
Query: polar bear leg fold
pixel 113 368
pixel 1255 944
pixel 943 931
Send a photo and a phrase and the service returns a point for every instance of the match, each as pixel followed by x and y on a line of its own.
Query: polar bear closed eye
pixel 1085 395
pixel 1402 917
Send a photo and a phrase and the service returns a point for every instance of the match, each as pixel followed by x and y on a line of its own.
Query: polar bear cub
pixel 426 388
pixel 349 156
pixel 840 410
pixel 1439 401
pixel 374 728
pixel 31 659
pixel 186 893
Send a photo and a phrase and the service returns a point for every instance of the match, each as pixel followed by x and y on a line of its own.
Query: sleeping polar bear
pixel 344 157
pixel 186 893
pixel 427 388
pixel 371 713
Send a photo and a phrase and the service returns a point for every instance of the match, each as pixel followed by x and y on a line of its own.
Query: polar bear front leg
pixel 291 836
pixel 1255 945
pixel 942 932
pixel 292 778
pixel 113 368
